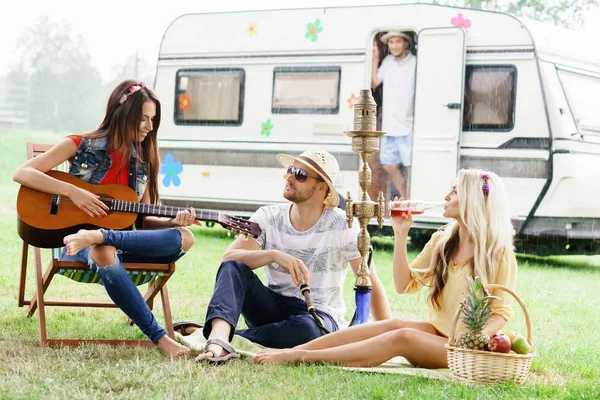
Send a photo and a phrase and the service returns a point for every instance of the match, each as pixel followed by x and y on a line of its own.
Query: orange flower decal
pixel 184 102
pixel 251 29
pixel 352 100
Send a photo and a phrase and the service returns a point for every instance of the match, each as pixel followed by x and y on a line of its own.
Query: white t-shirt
pixel 398 94
pixel 325 249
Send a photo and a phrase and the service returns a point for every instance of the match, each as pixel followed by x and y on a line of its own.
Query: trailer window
pixel 489 103
pixel 583 95
pixel 209 96
pixel 306 90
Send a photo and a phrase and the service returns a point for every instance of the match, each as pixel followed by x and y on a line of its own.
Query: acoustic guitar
pixel 45 219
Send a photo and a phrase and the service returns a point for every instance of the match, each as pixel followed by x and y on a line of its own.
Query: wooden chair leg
pixel 24 259
pixel 164 296
pixel 37 261
pixel 154 287
pixel 48 275
pixel 150 294
pixel 40 297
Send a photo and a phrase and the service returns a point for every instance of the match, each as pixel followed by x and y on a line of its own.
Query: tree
pixel 65 88
pixel 133 67
pixel 568 13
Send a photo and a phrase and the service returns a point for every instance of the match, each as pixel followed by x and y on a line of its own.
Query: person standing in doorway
pixel 397 71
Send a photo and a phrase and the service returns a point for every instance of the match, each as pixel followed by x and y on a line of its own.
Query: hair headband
pixel 132 90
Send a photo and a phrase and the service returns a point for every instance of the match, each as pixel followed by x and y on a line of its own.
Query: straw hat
pixel 385 38
pixel 321 162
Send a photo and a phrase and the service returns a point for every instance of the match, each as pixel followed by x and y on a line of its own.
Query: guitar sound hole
pixel 54 204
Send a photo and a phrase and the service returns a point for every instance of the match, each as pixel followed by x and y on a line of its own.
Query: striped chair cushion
pixel 87 276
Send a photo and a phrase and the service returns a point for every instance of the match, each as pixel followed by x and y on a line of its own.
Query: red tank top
pixel 115 173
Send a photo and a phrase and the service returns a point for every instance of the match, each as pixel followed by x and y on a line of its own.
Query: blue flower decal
pixel 171 169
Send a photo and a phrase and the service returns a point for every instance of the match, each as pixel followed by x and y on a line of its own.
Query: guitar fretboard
pixel 156 210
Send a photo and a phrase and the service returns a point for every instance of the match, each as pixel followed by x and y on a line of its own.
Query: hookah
pixel 365 142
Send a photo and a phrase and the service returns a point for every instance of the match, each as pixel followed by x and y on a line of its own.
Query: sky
pixel 118 28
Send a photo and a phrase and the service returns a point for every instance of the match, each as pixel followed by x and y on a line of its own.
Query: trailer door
pixel 438 111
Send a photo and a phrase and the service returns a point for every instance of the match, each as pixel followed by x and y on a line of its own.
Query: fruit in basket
pixel 499 343
pixel 520 346
pixel 476 312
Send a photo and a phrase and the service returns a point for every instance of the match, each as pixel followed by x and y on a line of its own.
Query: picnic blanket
pixel 247 349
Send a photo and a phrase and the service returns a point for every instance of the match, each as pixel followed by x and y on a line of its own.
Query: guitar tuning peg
pixel 228 232
pixel 246 236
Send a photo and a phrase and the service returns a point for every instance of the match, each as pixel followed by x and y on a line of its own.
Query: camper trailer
pixel 492 91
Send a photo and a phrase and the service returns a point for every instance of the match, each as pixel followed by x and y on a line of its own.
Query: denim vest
pixel 92 161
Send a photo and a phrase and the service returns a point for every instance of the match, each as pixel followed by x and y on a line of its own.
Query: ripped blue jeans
pixel 150 246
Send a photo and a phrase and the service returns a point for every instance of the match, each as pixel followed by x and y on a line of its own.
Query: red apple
pixel 499 343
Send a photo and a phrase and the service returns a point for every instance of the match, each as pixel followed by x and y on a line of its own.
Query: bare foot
pixel 276 356
pixel 172 348
pixel 82 239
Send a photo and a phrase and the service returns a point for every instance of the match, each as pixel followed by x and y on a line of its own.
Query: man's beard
pixel 298 196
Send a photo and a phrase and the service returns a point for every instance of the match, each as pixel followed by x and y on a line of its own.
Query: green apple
pixel 519 345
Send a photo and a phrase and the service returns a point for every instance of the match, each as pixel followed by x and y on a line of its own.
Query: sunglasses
pixel 300 174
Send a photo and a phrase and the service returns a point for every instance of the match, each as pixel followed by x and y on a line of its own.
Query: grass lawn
pixel 558 291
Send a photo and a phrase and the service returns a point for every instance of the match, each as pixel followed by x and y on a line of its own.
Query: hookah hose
pixel 305 290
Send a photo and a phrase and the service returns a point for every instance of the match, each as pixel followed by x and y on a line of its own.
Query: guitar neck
pixel 157 210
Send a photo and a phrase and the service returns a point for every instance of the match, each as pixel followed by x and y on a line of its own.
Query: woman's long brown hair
pixel 122 119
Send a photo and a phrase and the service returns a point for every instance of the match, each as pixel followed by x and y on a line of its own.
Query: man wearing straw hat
pixel 306 240
pixel 397 73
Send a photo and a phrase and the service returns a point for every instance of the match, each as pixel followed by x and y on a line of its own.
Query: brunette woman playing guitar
pixel 123 150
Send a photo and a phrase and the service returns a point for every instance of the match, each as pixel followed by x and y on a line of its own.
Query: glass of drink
pixel 416 207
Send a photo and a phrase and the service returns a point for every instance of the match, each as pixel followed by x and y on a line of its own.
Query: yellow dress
pixel 457 284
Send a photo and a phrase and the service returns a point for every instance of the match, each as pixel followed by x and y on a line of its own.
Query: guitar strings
pixel 66 201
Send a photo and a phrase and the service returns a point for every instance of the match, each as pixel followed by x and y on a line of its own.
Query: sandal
pixel 181 326
pixel 231 353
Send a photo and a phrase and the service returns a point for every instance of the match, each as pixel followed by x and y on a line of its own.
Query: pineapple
pixel 476 312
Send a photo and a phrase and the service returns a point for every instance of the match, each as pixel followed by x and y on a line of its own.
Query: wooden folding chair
pixel 156 275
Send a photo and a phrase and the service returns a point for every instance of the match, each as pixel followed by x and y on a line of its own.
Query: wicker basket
pixel 476 366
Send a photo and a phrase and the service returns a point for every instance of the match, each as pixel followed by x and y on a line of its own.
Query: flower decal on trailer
pixel 313 30
pixel 352 100
pixel 171 169
pixel 184 102
pixel 461 22
pixel 266 127
pixel 251 29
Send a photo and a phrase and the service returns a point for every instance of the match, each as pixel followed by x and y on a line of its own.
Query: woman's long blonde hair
pixel 488 222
